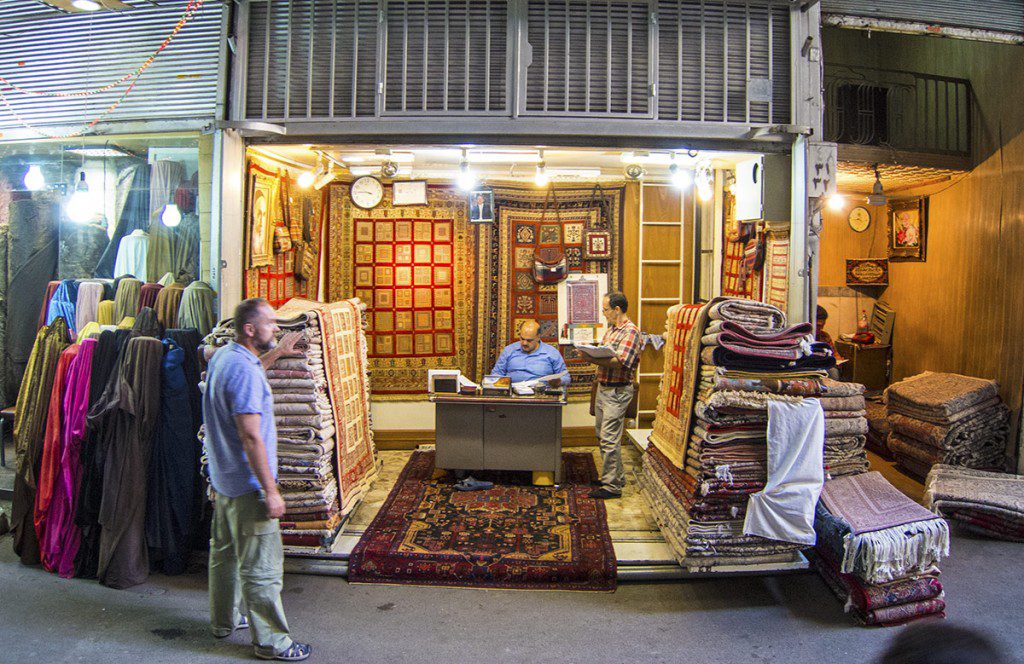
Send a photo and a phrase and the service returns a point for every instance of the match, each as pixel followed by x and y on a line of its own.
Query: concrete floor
pixel 789 618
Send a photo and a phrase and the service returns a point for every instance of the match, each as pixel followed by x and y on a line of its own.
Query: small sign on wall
pixel 867 272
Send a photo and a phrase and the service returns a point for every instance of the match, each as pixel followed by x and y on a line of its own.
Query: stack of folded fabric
pixel 845 428
pixel 726 363
pixel 879 550
pixel 878 427
pixel 326 458
pixel 947 418
pixel 986 503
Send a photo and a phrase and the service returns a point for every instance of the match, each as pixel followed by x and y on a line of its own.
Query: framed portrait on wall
pixel 481 206
pixel 262 208
pixel 908 229
pixel 409 192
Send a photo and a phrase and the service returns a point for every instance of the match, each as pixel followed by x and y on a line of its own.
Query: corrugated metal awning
pixel 1001 18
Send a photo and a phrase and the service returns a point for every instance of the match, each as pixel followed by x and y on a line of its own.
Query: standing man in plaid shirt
pixel 614 392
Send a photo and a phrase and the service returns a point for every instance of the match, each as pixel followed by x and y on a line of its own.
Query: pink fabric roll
pixel 61 541
pixel 148 296
pixel 89 295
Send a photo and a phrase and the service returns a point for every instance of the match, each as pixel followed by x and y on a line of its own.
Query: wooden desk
pixel 868 365
pixel 499 433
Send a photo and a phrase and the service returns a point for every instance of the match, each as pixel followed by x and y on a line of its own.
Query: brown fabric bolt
pixel 167 304
pixel 124 556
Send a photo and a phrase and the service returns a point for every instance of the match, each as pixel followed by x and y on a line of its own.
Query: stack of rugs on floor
pixel 845 428
pixel 985 503
pixel 728 365
pixel 325 454
pixel 878 427
pixel 947 418
pixel 878 550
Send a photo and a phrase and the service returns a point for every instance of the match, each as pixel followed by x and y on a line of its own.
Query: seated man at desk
pixel 530 360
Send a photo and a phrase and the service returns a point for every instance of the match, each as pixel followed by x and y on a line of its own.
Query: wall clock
pixel 366 192
pixel 859 219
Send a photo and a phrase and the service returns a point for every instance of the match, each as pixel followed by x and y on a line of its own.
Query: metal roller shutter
pixel 49 51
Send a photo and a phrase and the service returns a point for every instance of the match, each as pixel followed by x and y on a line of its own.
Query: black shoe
pixel 596 483
pixel 604 494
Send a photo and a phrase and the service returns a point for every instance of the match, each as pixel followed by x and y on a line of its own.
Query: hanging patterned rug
pixel 514 535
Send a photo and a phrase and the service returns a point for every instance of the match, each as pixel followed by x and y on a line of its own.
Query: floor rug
pixel 513 536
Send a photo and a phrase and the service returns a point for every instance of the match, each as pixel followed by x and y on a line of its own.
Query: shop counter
pixel 500 433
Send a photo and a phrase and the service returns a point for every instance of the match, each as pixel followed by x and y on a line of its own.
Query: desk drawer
pixel 460 430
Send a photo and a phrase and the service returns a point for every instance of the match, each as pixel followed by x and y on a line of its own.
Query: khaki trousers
pixel 246 572
pixel 610 406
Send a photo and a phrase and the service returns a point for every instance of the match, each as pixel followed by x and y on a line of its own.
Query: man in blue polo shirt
pixel 246 556
pixel 531 360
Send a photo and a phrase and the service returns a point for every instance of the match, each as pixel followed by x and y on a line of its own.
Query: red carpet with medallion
pixel 514 535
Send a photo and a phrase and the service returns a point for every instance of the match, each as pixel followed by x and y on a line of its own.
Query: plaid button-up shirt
pixel 626 341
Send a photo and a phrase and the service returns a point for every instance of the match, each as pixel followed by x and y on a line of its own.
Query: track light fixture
pixel 541 178
pixel 680 177
pixel 466 179
pixel 635 171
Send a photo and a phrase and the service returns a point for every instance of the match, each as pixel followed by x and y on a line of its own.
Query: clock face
pixel 859 219
pixel 366 192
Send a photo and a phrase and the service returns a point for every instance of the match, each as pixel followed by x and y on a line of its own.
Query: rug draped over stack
pixel 326 458
pixel 878 550
pixel 947 418
pixel 738 416
pixel 990 504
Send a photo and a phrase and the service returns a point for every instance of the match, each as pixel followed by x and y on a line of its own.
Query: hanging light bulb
pixel 34 180
pixel 541 178
pixel 171 215
pixel 877 196
pixel 465 180
pixel 836 202
pixel 705 181
pixel 680 177
pixel 80 208
pixel 86 5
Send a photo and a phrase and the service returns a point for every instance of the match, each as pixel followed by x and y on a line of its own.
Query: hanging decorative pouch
pixel 282 239
pixel 306 261
pixel 549 263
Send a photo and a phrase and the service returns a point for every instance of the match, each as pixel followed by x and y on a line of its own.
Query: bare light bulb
pixel 306 179
pixel 541 178
pixel 80 208
pixel 171 215
pixel 681 178
pixel 34 180
pixel 465 180
pixel 86 5
pixel 836 202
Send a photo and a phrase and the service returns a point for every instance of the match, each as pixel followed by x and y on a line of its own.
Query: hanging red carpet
pixel 514 535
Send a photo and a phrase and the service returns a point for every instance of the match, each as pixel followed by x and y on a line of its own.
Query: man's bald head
pixel 529 336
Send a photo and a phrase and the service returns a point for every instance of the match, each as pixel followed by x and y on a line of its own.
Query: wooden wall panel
pixel 661 243
pixel 661 281
pixel 840 242
pixel 661 204
pixel 631 243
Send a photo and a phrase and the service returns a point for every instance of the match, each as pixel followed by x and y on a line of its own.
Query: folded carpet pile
pixel 326 458
pixel 879 550
pixel 947 418
pixel 738 426
pixel 986 503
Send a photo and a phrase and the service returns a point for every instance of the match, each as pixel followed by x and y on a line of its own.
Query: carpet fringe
pixel 888 554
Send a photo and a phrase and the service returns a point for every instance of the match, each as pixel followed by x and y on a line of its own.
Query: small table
pixel 500 433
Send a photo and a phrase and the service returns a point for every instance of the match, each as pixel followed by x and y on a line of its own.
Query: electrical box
pixel 749 190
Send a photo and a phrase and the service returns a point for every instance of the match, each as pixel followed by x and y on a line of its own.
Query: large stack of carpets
pixel 878 550
pixel 326 458
pixel 986 503
pixel 845 428
pixel 947 418
pixel 729 364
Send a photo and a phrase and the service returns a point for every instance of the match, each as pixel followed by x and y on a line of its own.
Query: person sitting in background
pixel 530 360
pixel 821 335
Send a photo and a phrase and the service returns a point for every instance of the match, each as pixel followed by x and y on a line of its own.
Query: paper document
pixel 596 351
pixel 523 388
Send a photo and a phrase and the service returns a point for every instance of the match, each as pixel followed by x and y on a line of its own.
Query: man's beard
pixel 270 345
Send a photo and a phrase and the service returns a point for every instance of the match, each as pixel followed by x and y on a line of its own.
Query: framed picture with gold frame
pixel 908 229
pixel 260 214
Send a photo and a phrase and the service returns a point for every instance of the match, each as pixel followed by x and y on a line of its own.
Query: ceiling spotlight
pixel 79 206
pixel 86 5
pixel 877 196
pixel 34 180
pixel 389 169
pixel 680 177
pixel 171 215
pixel 324 178
pixel 635 171
pixel 541 178
pixel 465 180
pixel 306 179
pixel 836 202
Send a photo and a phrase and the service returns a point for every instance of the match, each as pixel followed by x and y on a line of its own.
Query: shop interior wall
pixel 960 310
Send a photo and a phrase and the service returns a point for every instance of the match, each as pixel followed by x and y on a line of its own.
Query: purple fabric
pixel 786 337
pixel 61 541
